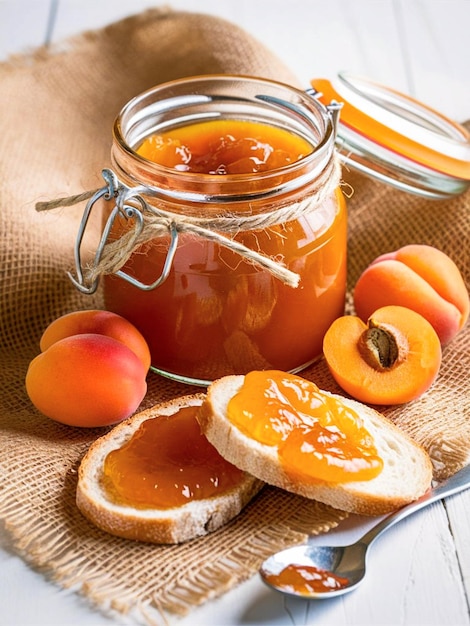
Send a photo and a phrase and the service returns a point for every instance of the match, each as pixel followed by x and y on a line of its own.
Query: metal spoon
pixel 329 571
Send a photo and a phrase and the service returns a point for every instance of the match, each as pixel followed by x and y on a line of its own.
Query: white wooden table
pixel 420 570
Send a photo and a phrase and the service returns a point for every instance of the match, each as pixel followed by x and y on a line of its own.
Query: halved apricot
pixel 393 358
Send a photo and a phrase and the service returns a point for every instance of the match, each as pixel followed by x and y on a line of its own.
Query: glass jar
pixel 254 265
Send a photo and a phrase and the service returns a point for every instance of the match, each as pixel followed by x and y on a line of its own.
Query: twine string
pixel 158 222
pixel 58 203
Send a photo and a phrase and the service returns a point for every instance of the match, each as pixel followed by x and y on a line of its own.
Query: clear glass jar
pixel 220 312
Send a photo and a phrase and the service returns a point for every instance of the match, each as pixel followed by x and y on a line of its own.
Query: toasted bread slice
pixel 406 474
pixel 174 525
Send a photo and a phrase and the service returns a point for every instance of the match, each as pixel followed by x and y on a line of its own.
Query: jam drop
pixel 168 462
pixel 318 437
pixel 225 147
pixel 306 579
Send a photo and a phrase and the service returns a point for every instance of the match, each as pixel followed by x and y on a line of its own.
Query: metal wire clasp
pixel 130 206
pixel 333 108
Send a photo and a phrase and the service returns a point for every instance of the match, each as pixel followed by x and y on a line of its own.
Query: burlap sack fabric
pixel 56 114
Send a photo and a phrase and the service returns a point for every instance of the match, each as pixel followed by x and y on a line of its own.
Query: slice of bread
pixel 406 474
pixel 175 525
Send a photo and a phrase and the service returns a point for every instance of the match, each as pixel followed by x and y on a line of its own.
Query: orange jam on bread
pixel 317 436
pixel 225 147
pixel 167 463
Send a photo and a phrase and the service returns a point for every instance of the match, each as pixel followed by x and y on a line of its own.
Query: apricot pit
pixel 381 346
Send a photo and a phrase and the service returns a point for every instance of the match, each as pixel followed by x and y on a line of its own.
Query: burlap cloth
pixel 56 112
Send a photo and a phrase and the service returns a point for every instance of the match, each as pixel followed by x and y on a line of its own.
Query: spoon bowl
pixel 316 571
pixel 319 572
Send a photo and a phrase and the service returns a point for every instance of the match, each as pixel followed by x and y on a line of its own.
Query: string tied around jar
pixel 150 222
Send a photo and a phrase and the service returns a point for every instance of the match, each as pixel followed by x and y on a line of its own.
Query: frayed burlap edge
pixel 114 574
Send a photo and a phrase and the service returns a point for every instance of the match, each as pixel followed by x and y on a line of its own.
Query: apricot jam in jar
pixel 247 226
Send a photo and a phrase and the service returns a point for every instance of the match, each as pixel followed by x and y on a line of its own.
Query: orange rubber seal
pixel 379 133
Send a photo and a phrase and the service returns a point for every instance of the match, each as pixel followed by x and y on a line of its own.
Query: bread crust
pixel 406 475
pixel 175 525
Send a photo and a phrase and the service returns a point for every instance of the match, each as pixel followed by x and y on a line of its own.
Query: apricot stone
pixel 418 277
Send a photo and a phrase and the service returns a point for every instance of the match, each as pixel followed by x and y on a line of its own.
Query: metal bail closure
pixel 130 206
pixel 166 266
pixel 333 108
pixel 396 139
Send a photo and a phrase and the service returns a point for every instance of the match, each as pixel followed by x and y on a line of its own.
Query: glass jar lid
pixel 397 139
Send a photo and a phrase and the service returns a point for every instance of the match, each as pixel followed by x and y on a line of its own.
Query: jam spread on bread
pixel 306 579
pixel 318 437
pixel 167 463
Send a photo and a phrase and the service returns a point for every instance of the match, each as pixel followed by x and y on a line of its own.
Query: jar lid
pixel 397 139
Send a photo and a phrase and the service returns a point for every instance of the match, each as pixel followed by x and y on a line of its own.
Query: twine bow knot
pixel 150 222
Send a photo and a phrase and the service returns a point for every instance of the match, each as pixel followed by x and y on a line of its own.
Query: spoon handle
pixel 454 484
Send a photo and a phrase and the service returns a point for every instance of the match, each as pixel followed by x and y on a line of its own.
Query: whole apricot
pixel 97 322
pixel 86 380
pixel 392 359
pixel 421 278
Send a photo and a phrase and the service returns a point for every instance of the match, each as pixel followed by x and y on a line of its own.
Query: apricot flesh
pixel 421 278
pixel 86 380
pixel 354 357
pixel 99 322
